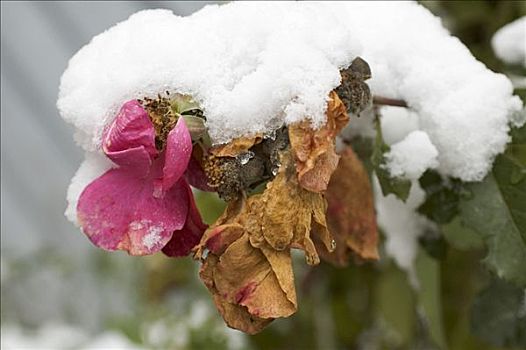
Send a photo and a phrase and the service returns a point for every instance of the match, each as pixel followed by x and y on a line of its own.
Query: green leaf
pixel 397 186
pixel 434 244
pixel 182 104
pixel 498 212
pixel 499 315
pixel 442 196
pixel 210 206
pixel 196 126
pixel 429 296
pixel 461 237
pixel 395 305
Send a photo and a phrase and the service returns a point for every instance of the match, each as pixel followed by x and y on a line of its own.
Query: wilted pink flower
pixel 145 205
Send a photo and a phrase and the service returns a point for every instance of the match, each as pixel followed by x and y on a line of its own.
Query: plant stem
pixel 386 101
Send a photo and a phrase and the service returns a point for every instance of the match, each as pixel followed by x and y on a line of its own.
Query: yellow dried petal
pixel 235 316
pixel 314 150
pixel 236 146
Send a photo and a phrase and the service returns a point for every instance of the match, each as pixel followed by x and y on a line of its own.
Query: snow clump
pixel 509 42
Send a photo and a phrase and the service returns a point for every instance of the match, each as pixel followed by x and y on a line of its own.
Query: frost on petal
pixel 130 129
pixel 177 154
pixel 189 236
pixel 316 158
pixel 118 211
pixel 351 215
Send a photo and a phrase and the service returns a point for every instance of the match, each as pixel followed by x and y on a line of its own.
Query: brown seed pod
pixel 353 91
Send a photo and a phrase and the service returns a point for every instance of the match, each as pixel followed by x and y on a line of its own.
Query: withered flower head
pixel 238 167
pixel 246 258
pixel 353 91
pixel 164 111
pixel 248 268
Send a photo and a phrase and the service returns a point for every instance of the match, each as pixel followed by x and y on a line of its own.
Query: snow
pixel 412 156
pixel 397 123
pixel 402 226
pixel 242 62
pixel 509 42
pixel 153 237
pixel 91 168
pixel 62 336
pixel 253 68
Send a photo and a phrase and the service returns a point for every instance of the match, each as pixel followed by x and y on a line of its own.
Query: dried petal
pixel 282 215
pixel 118 211
pixel 251 286
pixel 248 268
pixel 235 316
pixel 351 213
pixel 314 150
pixel 243 277
pixel 236 146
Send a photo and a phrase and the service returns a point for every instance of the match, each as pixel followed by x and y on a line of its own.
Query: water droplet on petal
pixel 245 157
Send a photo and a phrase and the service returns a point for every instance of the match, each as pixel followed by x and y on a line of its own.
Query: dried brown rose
pixel 351 215
pixel 314 150
pixel 251 286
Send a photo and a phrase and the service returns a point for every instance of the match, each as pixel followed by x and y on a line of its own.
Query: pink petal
pixel 196 177
pixel 189 236
pixel 131 129
pixel 118 211
pixel 177 154
pixel 134 160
